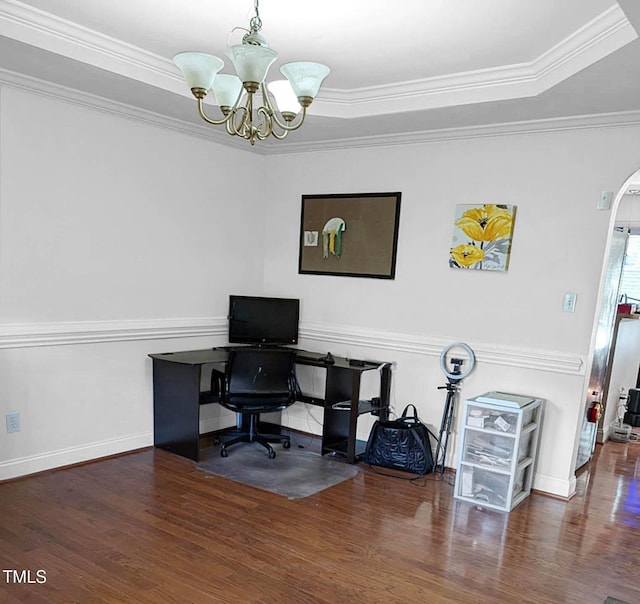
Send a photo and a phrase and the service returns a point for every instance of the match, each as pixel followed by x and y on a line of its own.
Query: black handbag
pixel 400 444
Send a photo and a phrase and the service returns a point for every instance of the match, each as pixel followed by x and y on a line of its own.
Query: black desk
pixel 177 399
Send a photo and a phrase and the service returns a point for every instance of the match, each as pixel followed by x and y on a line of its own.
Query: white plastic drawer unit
pixel 498 449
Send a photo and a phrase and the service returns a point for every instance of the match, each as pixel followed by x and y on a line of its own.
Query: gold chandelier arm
pixel 266 121
pixel 238 122
pixel 279 135
pixel 289 127
pixel 273 113
pixel 209 120
pixel 242 123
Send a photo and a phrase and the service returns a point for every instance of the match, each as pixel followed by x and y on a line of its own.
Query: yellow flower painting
pixel 482 237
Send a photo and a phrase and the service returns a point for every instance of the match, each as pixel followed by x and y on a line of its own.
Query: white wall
pixel 105 218
pixel 513 320
pixel 119 238
pixel 117 234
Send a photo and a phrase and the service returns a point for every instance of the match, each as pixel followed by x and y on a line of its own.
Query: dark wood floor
pixel 150 527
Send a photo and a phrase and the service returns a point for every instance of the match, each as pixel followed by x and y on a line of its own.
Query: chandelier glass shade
pixel 284 102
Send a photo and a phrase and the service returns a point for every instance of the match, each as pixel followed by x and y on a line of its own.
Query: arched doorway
pixel 604 329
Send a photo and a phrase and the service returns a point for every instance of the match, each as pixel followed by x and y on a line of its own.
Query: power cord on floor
pixel 419 480
pixel 294 435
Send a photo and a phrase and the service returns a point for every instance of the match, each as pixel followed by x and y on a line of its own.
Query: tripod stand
pixel 454 377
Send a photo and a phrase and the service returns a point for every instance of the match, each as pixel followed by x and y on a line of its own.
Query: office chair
pixel 258 380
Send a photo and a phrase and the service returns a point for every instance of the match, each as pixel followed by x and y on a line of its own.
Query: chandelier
pixel 235 94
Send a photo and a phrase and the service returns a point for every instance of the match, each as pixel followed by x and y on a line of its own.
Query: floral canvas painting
pixel 482 237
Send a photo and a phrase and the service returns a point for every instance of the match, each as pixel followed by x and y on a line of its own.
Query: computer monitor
pixel 260 320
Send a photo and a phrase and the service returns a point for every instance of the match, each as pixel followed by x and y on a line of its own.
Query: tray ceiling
pixel 398 69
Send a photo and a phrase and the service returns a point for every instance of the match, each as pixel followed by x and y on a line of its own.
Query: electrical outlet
pixel 13 421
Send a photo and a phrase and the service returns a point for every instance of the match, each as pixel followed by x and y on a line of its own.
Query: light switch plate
pixel 606 197
pixel 569 302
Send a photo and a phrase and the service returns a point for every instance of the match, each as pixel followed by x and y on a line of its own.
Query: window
pixel 630 281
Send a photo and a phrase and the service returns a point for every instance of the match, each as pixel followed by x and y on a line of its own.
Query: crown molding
pixel 603 35
pixel 41 29
pixel 92 101
pixel 606 33
pixel 500 83
pixel 619 119
pixel 597 39
pixel 84 99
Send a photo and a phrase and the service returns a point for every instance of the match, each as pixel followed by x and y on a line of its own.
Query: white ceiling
pixel 400 70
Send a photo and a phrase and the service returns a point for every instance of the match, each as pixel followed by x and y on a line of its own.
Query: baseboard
pixel 548 485
pixel 602 435
pixel 217 423
pixel 73 455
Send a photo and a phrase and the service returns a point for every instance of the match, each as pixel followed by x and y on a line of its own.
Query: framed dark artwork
pixel 350 235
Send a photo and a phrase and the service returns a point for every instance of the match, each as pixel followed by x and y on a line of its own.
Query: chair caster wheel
pixel 286 444
pixel 271 454
pixel 224 453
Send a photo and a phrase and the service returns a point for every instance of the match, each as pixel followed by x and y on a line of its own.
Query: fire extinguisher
pixel 594 412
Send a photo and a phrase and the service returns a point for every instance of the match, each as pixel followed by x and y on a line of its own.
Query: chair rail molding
pixel 545 360
pixel 24 335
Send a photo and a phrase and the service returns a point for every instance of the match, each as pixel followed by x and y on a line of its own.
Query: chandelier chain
pixel 256 21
